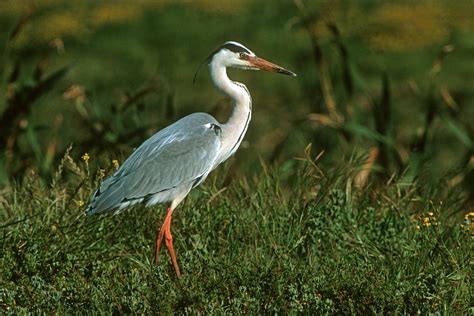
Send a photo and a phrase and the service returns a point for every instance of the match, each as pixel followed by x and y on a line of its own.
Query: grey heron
pixel 179 157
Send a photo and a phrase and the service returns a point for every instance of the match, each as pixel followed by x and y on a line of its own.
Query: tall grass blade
pixel 459 132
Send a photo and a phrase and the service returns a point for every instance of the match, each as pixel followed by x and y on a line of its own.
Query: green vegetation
pixel 255 247
pixel 381 221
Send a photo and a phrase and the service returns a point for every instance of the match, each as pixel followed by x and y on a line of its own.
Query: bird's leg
pixel 159 238
pixel 169 245
pixel 161 233
pixel 165 231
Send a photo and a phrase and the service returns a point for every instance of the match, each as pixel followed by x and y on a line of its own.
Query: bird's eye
pixel 241 55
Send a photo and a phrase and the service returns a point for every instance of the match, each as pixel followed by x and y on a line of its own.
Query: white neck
pixel 234 129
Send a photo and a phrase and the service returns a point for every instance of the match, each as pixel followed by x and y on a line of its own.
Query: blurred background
pixel 389 83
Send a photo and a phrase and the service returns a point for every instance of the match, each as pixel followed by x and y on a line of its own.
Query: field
pixel 352 192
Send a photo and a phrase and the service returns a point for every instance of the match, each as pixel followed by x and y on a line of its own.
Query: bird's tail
pixel 89 210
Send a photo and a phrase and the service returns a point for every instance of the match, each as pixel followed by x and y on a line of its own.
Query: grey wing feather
pixel 184 152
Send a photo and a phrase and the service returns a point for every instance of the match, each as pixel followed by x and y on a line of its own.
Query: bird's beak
pixel 260 63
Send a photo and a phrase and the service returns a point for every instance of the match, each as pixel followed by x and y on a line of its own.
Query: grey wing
pixel 183 153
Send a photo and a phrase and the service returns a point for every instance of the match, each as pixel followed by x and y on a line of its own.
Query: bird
pixel 179 157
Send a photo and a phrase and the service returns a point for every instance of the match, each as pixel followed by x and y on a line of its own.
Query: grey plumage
pixel 172 161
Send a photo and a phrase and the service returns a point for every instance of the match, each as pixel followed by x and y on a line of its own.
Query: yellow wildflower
pixel 80 203
pixel 469 223
pixel 101 173
pixel 85 157
pixel 116 164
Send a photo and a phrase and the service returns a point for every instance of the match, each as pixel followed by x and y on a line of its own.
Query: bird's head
pixel 235 55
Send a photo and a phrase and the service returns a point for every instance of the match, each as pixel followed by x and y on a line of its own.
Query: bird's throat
pixel 233 131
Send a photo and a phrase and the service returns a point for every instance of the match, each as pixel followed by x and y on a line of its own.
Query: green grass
pixel 262 245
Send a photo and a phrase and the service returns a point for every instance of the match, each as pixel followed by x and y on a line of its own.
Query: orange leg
pixel 165 231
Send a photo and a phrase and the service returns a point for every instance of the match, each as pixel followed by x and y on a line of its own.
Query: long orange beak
pixel 263 64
